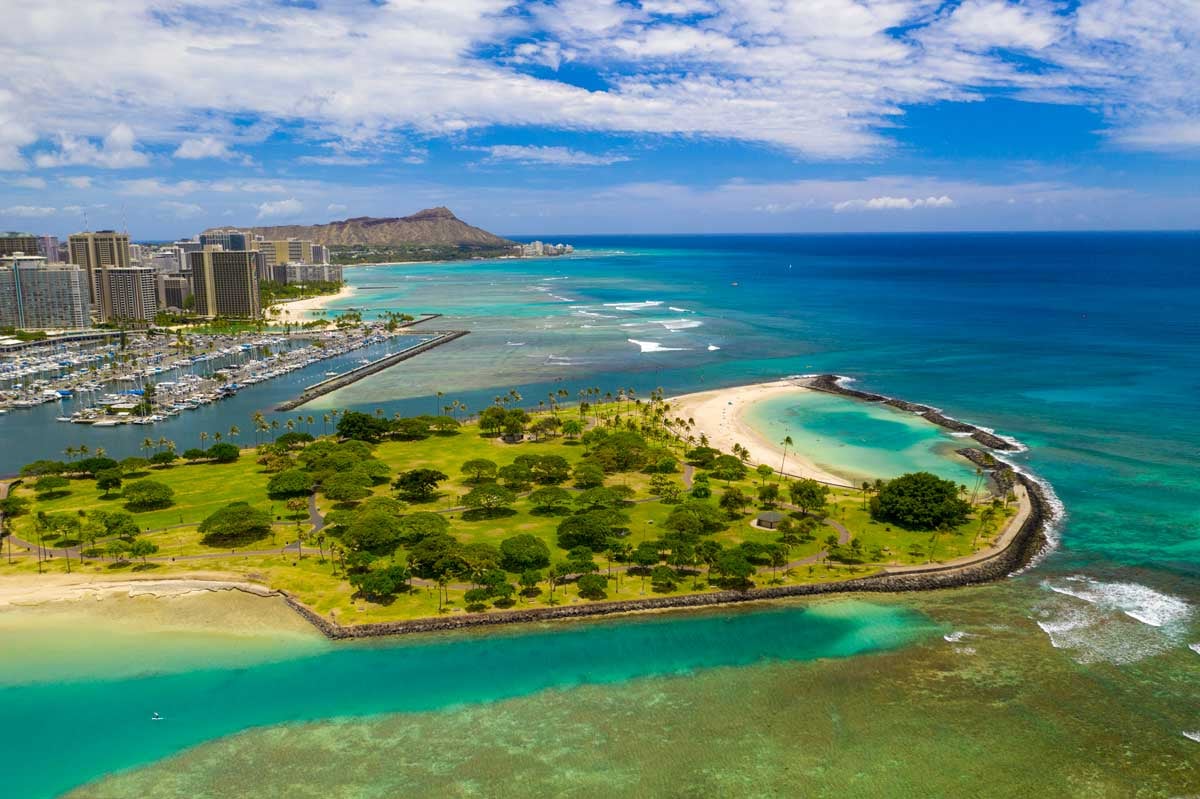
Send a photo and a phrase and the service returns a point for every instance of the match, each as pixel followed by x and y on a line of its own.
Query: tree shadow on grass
pixel 483 514
pixel 145 567
pixel 551 510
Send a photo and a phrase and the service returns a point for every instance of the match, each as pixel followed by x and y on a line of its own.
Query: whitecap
pixel 713 348
pixel 1195 648
pixel 633 306
pixel 561 299
pixel 677 324
pixel 677 310
pixel 1192 735
pixel 1111 622
pixel 1136 601
pixel 654 346
pixel 515 343
pixel 956 636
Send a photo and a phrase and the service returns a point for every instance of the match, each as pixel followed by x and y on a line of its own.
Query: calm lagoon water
pixel 1078 678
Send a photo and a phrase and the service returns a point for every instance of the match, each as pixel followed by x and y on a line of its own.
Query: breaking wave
pixel 1111 622
pixel 654 346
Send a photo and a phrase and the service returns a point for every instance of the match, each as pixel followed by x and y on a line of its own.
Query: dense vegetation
pixel 414 515
pixel 401 253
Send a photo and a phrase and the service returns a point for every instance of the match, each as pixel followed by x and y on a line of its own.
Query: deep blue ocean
pixel 1084 347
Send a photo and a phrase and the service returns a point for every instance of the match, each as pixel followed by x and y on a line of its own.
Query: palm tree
pixel 70 452
pixel 787 442
pixel 325 424
pixel 217 437
pixel 147 444
pixel 439 394
pixel 234 431
pixel 203 440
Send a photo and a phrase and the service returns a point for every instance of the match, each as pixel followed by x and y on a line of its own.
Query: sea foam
pixel 1110 621
pixel 633 306
pixel 654 346
pixel 1136 601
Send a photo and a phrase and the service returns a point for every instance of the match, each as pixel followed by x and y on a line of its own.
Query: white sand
pixel 718 415
pixel 30 589
pixel 299 310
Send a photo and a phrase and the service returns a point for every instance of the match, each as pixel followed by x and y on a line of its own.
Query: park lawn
pixel 200 489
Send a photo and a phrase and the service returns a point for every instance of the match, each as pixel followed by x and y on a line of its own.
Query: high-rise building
pixel 132 294
pixel 309 273
pixel 36 295
pixel 48 248
pixel 225 283
pixel 320 253
pixel 173 290
pixel 97 252
pixel 227 239
pixel 297 251
pixel 13 242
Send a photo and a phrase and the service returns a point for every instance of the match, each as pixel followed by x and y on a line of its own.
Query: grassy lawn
pixel 199 489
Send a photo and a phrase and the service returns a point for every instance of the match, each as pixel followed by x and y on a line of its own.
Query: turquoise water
pixel 860 441
pixel 105 723
pixel 1077 676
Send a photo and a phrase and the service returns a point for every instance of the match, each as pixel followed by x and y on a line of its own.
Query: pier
pixel 358 373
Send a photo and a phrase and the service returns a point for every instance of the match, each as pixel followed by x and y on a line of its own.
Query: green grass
pixel 202 488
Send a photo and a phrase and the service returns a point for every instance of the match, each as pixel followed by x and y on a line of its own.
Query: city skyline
pixel 568 117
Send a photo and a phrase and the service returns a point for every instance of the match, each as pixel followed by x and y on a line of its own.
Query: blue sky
pixel 602 116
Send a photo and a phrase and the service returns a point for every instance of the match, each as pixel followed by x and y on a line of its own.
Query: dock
pixel 330 384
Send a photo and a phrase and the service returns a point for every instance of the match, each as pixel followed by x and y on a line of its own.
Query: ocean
pixel 1080 677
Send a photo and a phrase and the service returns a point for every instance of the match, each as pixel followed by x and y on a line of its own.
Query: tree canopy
pixel 235 524
pixel 148 495
pixel 920 501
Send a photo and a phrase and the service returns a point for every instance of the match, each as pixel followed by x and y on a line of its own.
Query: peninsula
pixel 386 526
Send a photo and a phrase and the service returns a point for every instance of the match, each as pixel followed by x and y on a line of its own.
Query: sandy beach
pixel 718 415
pixel 37 589
pixel 301 310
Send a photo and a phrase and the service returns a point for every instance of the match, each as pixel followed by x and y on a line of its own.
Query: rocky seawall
pixel 1021 549
pixel 832 384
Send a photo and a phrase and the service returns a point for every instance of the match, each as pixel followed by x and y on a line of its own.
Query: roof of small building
pixel 770 516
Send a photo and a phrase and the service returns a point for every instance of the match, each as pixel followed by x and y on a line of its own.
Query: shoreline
pixel 303 307
pixel 1018 547
pixel 1024 544
pixel 718 415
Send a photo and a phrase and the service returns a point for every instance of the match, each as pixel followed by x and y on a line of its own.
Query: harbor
pixel 219 393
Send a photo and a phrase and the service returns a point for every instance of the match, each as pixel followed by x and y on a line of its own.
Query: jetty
pixel 346 378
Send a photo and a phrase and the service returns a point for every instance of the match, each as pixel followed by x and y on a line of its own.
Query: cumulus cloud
pixel 336 208
pixel 893 204
pixel 118 150
pixel 280 208
pixel 203 147
pixel 553 156
pixel 78 181
pixel 819 80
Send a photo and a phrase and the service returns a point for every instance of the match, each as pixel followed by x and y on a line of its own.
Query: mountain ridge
pixel 436 225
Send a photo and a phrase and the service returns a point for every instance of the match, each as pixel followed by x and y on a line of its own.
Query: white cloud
pixel 78 181
pixel 182 210
pixel 153 187
pixel 887 203
pixel 340 159
pixel 336 208
pixel 30 182
pixel 118 150
pixel 820 79
pixel 28 211
pixel 203 147
pixel 1174 136
pixel 553 156
pixel 280 208
pixel 982 24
